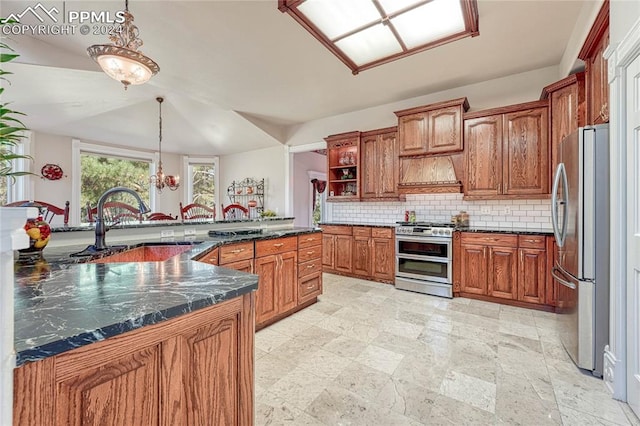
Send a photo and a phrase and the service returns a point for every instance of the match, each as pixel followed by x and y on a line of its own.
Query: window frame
pixel 78 147
pixel 188 161
pixel 23 186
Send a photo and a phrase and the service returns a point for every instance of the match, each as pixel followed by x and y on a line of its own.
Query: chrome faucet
pixel 101 228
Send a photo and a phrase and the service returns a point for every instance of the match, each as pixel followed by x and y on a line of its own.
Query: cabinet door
pixel 445 130
pixel 287 283
pixel 564 118
pixel 361 256
pixel 503 272
pixel 328 252
pixel 369 170
pixel 126 388
pixel 241 265
pixel 387 165
pixel 383 259
pixel 266 295
pixel 412 133
pixel 343 248
pixel 525 161
pixel 598 85
pixel 309 287
pixel 473 277
pixel 483 137
pixel 532 273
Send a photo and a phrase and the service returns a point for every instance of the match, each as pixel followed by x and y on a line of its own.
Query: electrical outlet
pixel 485 210
pixel 507 211
pixel 166 233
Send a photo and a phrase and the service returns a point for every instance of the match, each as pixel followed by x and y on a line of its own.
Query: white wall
pixel 503 91
pixel 268 163
pixel 48 148
pixel 622 15
pixel 303 162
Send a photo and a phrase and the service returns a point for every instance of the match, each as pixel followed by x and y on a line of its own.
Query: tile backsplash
pixel 532 214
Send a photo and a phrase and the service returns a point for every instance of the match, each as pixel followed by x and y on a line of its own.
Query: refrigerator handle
pixel 560 178
pixel 555 271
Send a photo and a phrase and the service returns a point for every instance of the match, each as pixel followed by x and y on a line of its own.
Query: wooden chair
pixel 235 211
pixel 115 212
pixel 161 216
pixel 196 211
pixel 48 210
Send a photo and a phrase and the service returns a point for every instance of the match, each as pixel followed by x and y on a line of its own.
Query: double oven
pixel 424 260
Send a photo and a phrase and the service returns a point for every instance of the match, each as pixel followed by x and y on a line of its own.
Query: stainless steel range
pixel 424 258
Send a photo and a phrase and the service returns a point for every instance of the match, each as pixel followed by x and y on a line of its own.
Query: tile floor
pixel 368 354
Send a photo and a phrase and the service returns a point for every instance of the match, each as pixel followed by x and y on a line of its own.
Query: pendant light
pixel 159 180
pixel 122 60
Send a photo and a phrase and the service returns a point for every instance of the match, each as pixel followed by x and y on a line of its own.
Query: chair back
pixel 48 211
pixel 115 212
pixel 197 211
pixel 235 211
pixel 160 216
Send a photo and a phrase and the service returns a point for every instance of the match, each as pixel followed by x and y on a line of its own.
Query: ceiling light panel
pixel 430 22
pixel 338 17
pixel 370 45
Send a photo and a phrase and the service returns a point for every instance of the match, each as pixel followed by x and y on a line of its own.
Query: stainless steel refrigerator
pixel 580 217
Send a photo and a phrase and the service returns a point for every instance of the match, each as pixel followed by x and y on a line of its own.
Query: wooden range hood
pixel 430 174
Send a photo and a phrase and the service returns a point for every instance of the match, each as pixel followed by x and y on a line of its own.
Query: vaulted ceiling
pixel 237 74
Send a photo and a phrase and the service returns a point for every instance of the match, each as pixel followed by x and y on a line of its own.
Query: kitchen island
pixel 140 342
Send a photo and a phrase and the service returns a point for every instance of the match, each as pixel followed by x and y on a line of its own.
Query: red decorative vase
pixel 39 233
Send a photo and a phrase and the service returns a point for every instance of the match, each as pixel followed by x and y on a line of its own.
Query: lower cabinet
pixel 502 267
pixel 309 267
pixel 189 370
pixel 360 251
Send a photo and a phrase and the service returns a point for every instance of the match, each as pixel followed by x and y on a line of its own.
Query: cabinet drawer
pixel 309 287
pixel 211 258
pixel 361 231
pixel 309 240
pixel 487 239
pixel 275 246
pixel 310 267
pixel 235 252
pixel 532 241
pixel 337 230
pixel 309 253
pixel 382 233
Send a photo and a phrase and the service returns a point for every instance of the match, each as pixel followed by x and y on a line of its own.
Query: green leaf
pixel 7 57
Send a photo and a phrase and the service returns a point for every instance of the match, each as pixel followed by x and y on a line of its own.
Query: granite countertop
pixel 62 303
pixel 519 231
pixel 372 225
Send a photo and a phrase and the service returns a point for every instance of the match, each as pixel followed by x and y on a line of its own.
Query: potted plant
pixel 11 128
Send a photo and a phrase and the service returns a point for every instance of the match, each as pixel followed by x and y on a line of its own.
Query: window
pixel 367 33
pixel 98 168
pixel 18 188
pixel 202 180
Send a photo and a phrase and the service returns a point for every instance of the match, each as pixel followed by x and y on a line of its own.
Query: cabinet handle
pixel 278 245
pixel 531 241
pixel 236 251
pixel 310 266
pixel 310 286
pixel 490 239
pixel 309 239
pixel 310 252
pixel 604 112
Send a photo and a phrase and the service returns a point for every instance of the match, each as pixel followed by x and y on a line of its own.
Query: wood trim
pixel 507 197
pixel 507 109
pixel 510 302
pixel 598 29
pixel 376 132
pixel 464 102
pixel 246 330
pixel 567 81
pixel 445 188
pixel 341 136
pixel 284 315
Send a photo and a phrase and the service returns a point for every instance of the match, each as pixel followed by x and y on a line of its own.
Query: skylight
pixel 367 33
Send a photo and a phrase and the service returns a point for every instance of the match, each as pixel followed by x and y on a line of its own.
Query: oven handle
pixel 425 258
pixel 425 239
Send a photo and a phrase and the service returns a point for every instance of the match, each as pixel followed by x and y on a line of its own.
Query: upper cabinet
pixel 379 163
pixel 597 84
pixel 566 111
pixel 431 129
pixel 343 166
pixel 507 152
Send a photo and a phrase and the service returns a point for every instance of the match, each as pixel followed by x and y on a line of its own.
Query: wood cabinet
pixel 276 264
pixel 370 251
pixel 596 73
pixel 343 167
pixel 431 129
pixel 192 369
pixel 507 152
pixel 379 163
pixel 309 267
pixel 566 112
pixel 502 267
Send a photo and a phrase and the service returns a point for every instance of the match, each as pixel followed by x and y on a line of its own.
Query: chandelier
pixel 122 60
pixel 160 180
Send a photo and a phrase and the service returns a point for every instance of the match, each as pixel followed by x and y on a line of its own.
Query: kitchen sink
pixel 157 252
